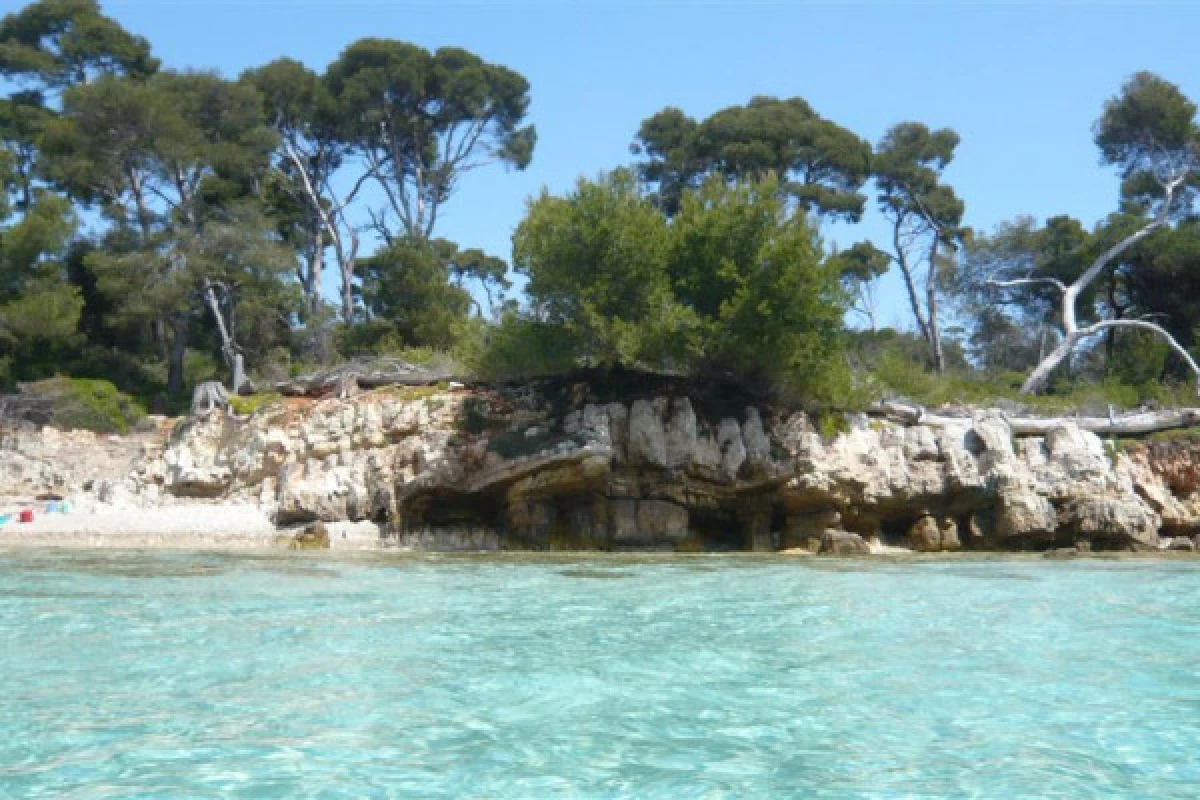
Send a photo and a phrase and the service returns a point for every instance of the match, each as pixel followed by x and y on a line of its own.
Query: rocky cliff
pixel 535 468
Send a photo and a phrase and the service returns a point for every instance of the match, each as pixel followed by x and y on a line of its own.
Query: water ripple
pixel 269 676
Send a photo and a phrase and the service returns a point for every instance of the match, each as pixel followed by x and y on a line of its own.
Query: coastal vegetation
pixel 162 226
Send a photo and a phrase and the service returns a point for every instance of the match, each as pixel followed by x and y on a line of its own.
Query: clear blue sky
pixel 1021 83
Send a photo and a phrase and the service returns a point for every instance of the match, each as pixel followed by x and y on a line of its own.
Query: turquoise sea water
pixel 170 675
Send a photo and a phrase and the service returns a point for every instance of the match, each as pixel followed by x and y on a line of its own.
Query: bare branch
pixel 1010 284
pixel 1145 325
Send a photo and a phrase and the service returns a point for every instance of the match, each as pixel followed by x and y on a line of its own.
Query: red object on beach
pixel 26 515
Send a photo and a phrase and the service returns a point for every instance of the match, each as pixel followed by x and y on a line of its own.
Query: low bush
pixel 249 404
pixel 68 403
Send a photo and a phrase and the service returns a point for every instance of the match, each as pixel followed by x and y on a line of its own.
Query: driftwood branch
pixel 1010 284
pixel 346 379
pixel 1135 424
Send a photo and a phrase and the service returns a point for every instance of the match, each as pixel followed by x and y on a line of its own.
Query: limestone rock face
pixel 647 435
pixel 648 522
pixel 802 530
pixel 198 462
pixel 1111 518
pixel 513 469
pixel 1023 514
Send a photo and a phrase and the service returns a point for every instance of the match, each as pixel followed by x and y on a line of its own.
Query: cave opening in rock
pixel 716 529
pixel 449 509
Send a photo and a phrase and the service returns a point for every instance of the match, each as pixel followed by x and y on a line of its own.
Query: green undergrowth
pixel 83 403
pixel 410 394
pixel 1185 436
pixel 250 404
pixel 911 383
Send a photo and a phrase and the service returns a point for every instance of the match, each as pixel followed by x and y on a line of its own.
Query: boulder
pixel 801 529
pixel 1023 514
pixel 930 535
pixel 843 543
pixel 731 447
pixel 756 443
pixel 662 522
pixel 1113 519
pixel 314 537
pixel 925 536
pixel 949 529
pixel 646 523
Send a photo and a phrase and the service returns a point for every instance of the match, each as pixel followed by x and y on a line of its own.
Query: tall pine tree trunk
pixel 179 340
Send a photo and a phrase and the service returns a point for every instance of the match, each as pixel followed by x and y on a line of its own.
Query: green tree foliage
pixel 421 120
pixel 926 219
pixel 473 266
pixel 53 44
pixel 45 48
pixel 154 222
pixel 409 298
pixel 302 111
pixel 1149 133
pixel 39 309
pixel 860 266
pixel 736 282
pixel 1022 249
pixel 23 117
pixel 173 162
pixel 315 156
pixel 595 260
pixel 1162 276
pixel 820 165
pixel 780 313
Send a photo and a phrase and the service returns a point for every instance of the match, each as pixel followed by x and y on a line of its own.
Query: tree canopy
pixel 736 282
pixel 162 225
pixel 819 164
pixel 422 120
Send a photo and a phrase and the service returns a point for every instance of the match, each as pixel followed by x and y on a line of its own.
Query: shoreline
pixel 219 526
pixel 282 542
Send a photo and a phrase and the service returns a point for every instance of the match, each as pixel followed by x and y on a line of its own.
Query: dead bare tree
pixel 1072 333
pixel 218 297
pixel 333 226
pixel 925 215
pixel 1148 130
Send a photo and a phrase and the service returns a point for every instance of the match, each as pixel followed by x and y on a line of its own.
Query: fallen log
pixel 347 379
pixel 1138 423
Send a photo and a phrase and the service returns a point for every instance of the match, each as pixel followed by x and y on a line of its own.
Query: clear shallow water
pixel 198 676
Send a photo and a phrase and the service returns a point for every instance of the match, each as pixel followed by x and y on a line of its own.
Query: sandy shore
pixel 189 526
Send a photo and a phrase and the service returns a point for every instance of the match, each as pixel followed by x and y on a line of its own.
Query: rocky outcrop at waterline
pixel 564 467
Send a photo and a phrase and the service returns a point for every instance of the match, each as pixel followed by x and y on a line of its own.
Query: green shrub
pixel 94 405
pixel 519 347
pixel 249 404
pixel 831 423
pixel 894 374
